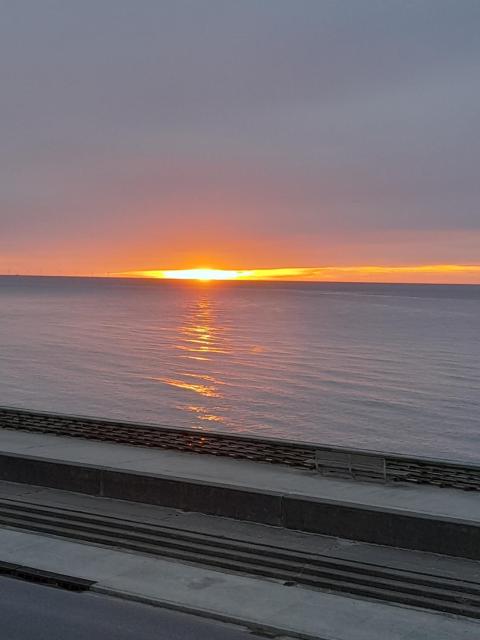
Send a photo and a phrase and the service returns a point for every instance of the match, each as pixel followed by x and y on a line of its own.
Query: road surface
pixel 37 612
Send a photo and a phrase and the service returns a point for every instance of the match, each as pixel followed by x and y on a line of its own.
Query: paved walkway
pixel 257 603
pixel 240 473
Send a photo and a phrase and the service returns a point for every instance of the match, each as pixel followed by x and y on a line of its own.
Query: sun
pixel 203 274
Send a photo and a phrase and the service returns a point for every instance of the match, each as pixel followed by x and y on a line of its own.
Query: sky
pixel 329 136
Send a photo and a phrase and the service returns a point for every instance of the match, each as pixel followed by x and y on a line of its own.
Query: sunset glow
pixel 243 143
pixel 433 273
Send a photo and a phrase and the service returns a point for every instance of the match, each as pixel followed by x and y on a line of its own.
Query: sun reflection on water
pixel 202 389
pixel 202 339
pixel 203 414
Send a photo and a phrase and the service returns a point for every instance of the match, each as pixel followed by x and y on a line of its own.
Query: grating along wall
pixel 326 460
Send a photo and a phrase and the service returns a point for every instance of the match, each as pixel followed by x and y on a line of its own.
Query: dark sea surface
pixel 385 367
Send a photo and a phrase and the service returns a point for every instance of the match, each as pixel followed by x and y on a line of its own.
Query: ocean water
pixel 384 367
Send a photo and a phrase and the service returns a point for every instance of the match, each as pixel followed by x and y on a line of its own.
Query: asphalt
pixel 36 612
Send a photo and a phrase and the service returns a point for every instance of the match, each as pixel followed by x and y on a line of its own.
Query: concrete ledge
pixel 390 527
pixel 51 473
pixel 378 525
pixel 188 495
pixel 213 499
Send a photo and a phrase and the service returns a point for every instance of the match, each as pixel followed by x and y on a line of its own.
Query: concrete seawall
pixel 408 528
pixel 327 460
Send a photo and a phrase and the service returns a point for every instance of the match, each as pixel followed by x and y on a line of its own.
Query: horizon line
pixel 360 274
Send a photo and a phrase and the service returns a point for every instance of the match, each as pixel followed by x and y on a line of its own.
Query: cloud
pixel 130 130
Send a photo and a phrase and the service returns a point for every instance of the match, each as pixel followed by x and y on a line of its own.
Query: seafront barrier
pixel 326 460
pixel 398 501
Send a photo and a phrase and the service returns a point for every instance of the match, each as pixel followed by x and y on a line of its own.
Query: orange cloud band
pixel 403 273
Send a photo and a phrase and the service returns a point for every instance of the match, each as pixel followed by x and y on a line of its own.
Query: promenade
pixel 273 547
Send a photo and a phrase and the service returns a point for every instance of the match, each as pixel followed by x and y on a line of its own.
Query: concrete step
pixel 266 607
pixel 306 570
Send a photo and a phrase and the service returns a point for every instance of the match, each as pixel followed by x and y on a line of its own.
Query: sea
pixel 370 366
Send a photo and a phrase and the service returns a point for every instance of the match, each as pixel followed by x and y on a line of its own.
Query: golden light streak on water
pixel 202 389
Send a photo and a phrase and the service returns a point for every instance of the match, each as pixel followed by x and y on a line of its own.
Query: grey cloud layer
pixel 336 115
